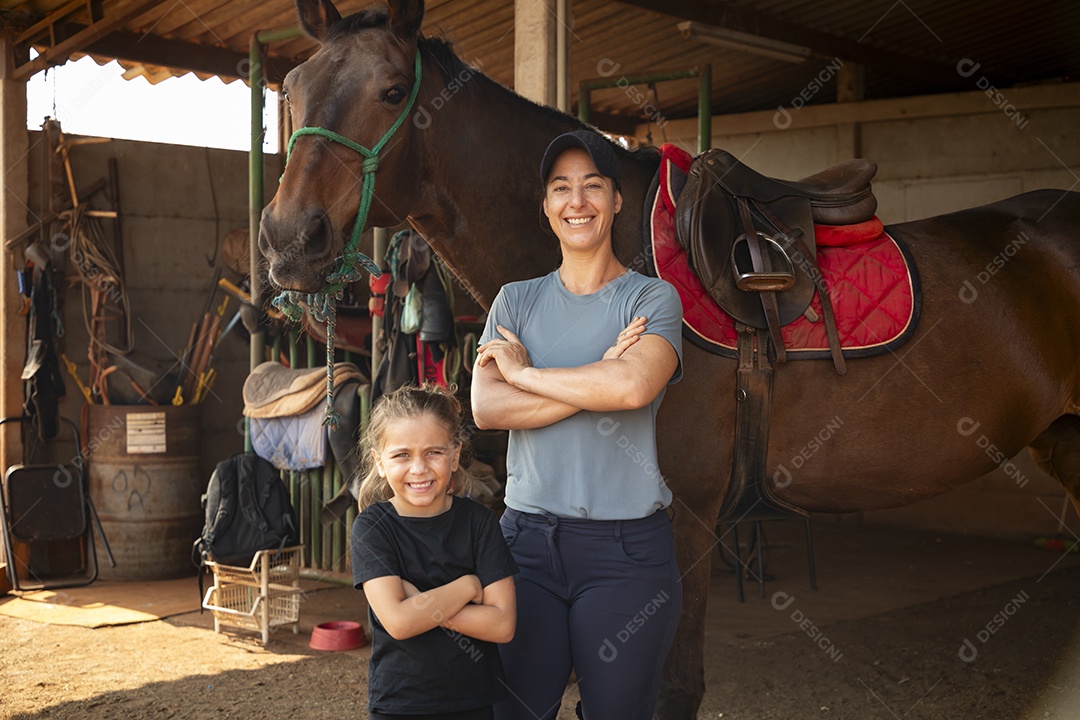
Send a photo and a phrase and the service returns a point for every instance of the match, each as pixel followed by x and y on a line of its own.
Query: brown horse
pixel 992 364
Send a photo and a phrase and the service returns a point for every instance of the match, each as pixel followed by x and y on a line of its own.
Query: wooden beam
pixel 59 53
pixel 731 16
pixel 180 55
pixel 35 30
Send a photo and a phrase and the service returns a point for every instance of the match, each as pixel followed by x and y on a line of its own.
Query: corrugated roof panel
pixel 1013 42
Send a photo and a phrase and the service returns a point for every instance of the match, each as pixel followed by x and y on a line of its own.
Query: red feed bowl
pixel 338 635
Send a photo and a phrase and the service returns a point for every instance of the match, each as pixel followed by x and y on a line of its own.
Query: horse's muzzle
pixel 298 247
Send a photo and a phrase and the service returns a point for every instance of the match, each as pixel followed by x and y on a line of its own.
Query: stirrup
pixel 750 281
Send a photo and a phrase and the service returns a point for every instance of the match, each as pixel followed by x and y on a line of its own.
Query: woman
pixel 575 364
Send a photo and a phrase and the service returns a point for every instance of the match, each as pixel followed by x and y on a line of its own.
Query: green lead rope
pixel 350 265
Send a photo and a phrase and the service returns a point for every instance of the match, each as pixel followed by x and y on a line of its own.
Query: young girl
pixel 436 572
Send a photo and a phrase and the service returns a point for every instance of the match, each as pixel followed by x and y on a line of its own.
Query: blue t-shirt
pixel 592 465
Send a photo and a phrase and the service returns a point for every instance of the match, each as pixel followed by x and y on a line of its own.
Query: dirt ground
pixel 903 625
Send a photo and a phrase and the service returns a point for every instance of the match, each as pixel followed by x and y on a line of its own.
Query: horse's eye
pixel 394 95
pixel 285 94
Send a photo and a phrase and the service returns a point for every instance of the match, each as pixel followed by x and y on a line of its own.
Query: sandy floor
pixel 903 625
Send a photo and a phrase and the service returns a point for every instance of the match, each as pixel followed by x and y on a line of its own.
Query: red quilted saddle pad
pixel 871 278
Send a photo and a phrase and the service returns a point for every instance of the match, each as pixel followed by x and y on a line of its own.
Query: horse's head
pixel 356 86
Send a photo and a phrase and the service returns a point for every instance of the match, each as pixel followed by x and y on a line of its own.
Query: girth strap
pixel 748 497
pixel 826 311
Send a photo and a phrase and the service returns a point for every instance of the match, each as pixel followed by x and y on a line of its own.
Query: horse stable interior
pixel 959 104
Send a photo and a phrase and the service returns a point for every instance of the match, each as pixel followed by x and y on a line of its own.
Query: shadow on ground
pixel 329 690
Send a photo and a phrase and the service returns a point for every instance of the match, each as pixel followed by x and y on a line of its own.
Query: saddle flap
pixel 708 226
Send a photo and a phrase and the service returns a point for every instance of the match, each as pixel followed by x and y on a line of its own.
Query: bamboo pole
pixel 337 529
pixel 328 556
pixel 314 491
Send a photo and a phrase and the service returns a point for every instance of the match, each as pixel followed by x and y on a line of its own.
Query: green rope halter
pixel 323 304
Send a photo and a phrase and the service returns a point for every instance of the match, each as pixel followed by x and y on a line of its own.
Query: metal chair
pixel 43 504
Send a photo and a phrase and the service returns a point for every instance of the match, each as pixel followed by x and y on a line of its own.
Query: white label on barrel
pixel 145 433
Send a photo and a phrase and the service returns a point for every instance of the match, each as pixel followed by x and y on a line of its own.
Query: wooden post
pixel 14 201
pixel 851 82
pixel 562 55
pixel 14 163
pixel 534 50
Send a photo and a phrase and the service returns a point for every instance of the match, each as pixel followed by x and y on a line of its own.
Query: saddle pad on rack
pixel 872 281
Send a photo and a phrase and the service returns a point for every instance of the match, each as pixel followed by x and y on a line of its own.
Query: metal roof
pixel 907 47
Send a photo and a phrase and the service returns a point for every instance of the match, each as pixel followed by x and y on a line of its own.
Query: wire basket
pixel 262 596
pixel 240 606
pixel 281 567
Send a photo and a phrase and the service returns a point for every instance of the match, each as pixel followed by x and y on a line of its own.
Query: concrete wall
pixel 935 154
pixel 177 204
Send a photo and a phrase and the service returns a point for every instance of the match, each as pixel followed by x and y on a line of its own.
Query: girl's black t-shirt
pixel 440 670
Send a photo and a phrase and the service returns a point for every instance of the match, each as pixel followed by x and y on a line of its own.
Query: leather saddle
pixel 750 238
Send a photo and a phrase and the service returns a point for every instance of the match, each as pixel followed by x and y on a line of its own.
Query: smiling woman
pixel 566 360
pixel 96 100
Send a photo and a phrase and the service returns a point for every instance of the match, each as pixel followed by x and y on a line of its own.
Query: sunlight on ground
pixel 95 100
pixel 1059 696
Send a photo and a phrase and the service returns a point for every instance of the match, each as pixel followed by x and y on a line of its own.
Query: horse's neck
pixel 480 200
pixel 481 188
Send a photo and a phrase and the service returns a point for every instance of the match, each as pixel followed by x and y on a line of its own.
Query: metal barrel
pixel 143 475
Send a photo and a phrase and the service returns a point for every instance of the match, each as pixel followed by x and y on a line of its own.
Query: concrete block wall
pixel 936 154
pixel 177 202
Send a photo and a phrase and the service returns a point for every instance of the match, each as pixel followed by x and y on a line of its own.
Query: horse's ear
pixel 317 17
pixel 406 17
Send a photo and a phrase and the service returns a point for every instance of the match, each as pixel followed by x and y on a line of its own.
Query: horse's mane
pixel 370 18
pixel 452 68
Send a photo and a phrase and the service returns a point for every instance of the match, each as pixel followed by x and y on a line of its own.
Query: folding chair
pixel 43 504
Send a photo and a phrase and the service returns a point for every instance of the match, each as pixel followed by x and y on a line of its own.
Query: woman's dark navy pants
pixel 600 597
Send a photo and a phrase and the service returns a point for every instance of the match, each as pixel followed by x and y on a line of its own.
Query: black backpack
pixel 247 509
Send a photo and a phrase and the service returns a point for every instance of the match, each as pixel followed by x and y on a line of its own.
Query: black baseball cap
pixel 600 150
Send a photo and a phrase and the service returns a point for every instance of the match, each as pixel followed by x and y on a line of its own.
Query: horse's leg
pixel 683 683
pixel 1057 452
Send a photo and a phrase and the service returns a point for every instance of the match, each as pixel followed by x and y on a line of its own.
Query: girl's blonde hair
pixel 410 401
